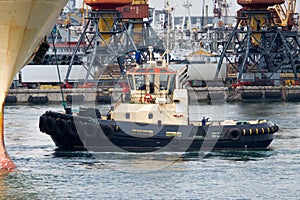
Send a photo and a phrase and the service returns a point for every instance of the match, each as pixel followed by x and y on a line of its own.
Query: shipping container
pixel 134 11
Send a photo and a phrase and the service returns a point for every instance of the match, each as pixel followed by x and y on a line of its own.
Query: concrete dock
pixel 246 93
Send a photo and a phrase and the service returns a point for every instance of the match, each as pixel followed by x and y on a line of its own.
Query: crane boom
pixel 285 12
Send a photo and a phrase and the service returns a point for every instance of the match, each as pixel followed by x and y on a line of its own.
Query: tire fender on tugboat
pixel 60 126
pixel 71 128
pixel 234 134
pixel 276 128
pixel 43 123
pixel 50 126
pixel 108 131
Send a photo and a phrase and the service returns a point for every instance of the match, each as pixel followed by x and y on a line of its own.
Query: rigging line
pixel 58 73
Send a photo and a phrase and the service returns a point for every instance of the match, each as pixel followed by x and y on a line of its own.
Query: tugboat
pixel 152 114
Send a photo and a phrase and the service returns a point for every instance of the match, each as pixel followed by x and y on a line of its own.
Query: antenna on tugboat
pixel 64 104
pixel 167 52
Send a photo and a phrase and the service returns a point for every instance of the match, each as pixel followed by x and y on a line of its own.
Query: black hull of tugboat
pixel 85 133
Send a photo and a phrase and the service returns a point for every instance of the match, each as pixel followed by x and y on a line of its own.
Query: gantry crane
pixel 259 45
pixel 113 30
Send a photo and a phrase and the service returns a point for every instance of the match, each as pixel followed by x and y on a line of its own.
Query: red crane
pixel 106 4
pixel 258 4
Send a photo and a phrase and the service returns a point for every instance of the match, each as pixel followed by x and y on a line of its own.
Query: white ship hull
pixel 23 25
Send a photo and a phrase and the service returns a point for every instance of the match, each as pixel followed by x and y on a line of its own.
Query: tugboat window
pixel 127 115
pixel 172 83
pixel 151 83
pixel 140 82
pixel 130 80
pixel 150 116
pixel 163 81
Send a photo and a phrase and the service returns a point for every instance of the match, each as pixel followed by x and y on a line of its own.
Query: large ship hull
pixel 81 133
pixel 23 26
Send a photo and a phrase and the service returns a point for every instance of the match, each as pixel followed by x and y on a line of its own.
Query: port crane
pixel 221 8
pixel 286 13
pixel 113 30
pixel 261 45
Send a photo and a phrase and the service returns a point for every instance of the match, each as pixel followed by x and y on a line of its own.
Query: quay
pixel 247 93
pixel 41 96
pixel 199 94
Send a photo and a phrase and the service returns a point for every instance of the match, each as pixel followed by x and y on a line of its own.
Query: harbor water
pixel 45 173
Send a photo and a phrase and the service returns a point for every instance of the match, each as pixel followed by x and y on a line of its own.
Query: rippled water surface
pixel 45 173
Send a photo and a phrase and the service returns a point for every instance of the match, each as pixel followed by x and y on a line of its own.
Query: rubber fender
pixel 50 126
pixel 252 95
pixel 11 99
pixel 234 134
pixel 273 95
pixel 108 131
pixel 42 123
pixel 276 128
pixel 71 128
pixel 38 100
pixel 60 126
pixel 293 97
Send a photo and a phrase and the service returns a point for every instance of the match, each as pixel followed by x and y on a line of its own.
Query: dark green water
pixel 44 173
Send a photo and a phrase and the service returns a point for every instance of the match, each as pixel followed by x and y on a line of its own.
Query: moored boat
pixel 151 114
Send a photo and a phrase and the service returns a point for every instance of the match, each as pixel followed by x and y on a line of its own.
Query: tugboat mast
pixel 168 8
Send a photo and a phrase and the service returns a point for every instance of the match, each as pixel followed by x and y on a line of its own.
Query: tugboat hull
pixel 86 133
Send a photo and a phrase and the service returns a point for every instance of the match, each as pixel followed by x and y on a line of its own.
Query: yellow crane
pixel 285 13
pixel 138 2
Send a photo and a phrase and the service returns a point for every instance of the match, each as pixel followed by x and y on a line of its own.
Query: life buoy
pixel 148 98
pixel 234 134
pixel 50 126
pixel 42 123
pixel 60 126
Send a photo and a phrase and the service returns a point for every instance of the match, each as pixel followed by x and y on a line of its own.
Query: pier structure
pixel 261 46
pixel 202 94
